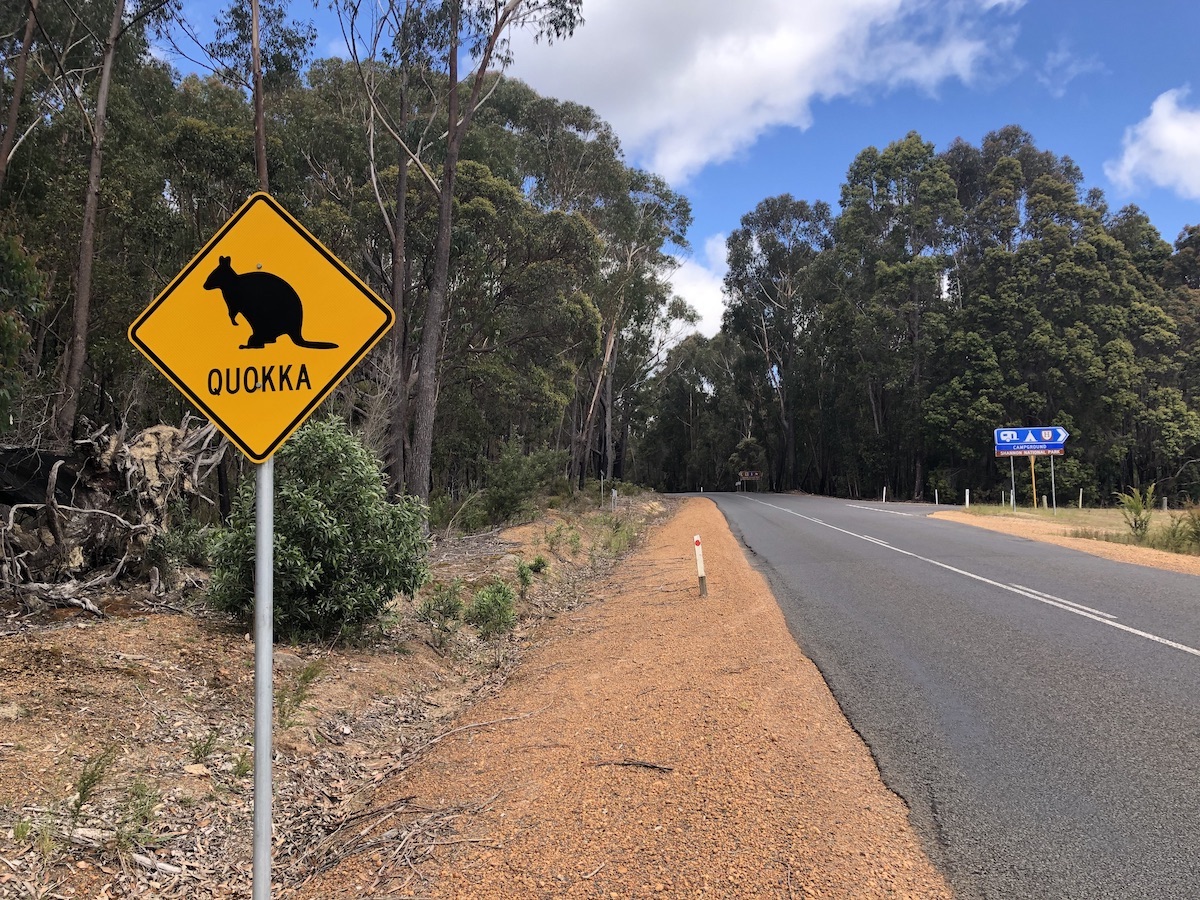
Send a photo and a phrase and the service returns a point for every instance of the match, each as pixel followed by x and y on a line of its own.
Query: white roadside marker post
pixel 700 568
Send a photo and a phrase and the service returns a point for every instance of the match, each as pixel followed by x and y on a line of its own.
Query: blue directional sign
pixel 1037 440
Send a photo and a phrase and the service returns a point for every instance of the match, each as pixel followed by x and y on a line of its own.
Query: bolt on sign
pixel 261 326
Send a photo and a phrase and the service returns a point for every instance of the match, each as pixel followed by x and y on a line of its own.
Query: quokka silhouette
pixel 268 303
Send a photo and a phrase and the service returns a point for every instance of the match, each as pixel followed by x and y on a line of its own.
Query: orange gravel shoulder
pixel 659 744
pixel 1052 533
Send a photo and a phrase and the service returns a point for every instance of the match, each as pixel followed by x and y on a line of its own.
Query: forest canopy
pixel 873 344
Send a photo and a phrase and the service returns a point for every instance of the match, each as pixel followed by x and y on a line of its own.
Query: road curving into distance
pixel 1037 708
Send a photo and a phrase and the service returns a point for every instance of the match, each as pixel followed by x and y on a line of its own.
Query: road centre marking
pixel 890 512
pixel 1078 609
pixel 1068 602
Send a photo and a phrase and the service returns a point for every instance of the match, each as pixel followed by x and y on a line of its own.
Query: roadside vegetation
pixel 1137 517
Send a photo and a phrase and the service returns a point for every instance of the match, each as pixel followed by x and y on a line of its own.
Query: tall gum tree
pixel 481 26
pixel 96 121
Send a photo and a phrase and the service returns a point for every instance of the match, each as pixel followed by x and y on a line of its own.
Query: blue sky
pixel 734 102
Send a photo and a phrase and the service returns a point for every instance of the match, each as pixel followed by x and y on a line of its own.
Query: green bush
pixel 185 542
pixel 515 478
pixel 441 611
pixel 491 610
pixel 1136 508
pixel 342 550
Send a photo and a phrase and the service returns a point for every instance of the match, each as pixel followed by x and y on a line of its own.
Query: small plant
pixel 45 838
pixel 22 830
pixel 89 779
pixel 1136 509
pixel 1191 519
pixel 1175 536
pixel 620 535
pixel 137 812
pixel 202 748
pixel 441 611
pixel 491 610
pixel 289 699
pixel 243 765
pixel 539 565
pixel 524 577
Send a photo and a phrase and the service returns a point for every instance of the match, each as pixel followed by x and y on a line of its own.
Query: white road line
pixel 1013 589
pixel 1098 612
pixel 890 512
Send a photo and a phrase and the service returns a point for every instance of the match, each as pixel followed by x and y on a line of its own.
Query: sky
pixel 735 102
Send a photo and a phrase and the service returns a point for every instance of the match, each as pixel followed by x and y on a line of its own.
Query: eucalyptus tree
pixel 900 213
pixel 779 278
pixel 430 38
pixel 125 25
pixel 569 159
pixel 520 319
pixel 695 417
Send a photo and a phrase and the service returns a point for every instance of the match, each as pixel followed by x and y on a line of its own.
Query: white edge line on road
pixel 890 512
pixel 1095 617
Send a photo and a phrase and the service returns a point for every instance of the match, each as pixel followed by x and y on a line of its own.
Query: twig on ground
pixel 640 763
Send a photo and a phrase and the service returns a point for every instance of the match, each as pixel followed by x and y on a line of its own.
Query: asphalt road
pixel 1038 708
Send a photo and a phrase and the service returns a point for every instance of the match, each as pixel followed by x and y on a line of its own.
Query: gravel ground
pixel 657 744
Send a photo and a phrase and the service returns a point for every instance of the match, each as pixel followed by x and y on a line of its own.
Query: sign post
pixel 1031 441
pixel 264 699
pixel 256 331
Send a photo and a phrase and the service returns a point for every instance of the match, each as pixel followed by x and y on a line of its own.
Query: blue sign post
pixel 1032 441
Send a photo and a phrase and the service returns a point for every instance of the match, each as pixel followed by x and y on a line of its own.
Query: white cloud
pixel 686 83
pixel 1062 67
pixel 1163 148
pixel 698 281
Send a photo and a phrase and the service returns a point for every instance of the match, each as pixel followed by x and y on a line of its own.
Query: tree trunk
pixel 14 106
pixel 608 421
pixel 77 347
pixel 399 421
pixel 431 328
pixel 584 443
pixel 260 133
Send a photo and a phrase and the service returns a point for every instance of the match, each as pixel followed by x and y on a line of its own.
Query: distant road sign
pixel 261 326
pixel 1031 441
pixel 747 476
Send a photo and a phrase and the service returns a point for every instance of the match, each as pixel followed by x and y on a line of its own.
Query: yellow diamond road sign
pixel 261 326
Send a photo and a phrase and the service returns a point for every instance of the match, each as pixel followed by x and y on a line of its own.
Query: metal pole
pixel 1053 489
pixel 264 589
pixel 1012 473
pixel 1033 482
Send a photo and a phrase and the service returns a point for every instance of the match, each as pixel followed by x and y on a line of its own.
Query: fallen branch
pixel 157 865
pixel 67 593
pixel 640 763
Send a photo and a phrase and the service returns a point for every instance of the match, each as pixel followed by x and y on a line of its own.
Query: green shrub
pixel 515 478
pixel 524 577
pixel 441 611
pixel 342 550
pixel 491 610
pixel 1136 509
pixel 539 565
pixel 184 542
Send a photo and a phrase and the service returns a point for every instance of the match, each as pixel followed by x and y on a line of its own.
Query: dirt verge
pixel 659 744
